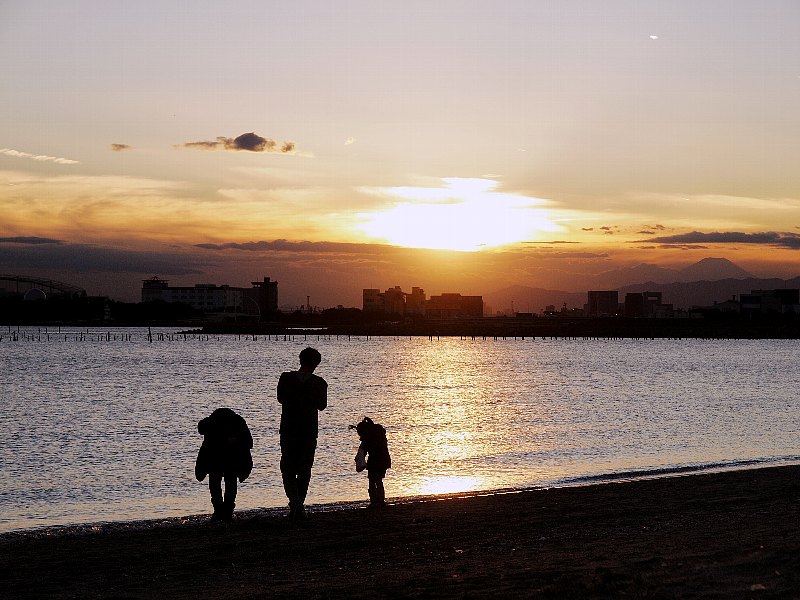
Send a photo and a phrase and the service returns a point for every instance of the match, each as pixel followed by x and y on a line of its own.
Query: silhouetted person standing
pixel 224 454
pixel 301 395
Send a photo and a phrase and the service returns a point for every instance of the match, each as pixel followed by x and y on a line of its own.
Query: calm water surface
pixel 101 425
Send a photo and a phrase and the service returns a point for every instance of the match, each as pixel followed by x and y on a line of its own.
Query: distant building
pixel 264 294
pixel 450 306
pixel 647 305
pixel 415 302
pixel 634 306
pixel 728 306
pixel 602 303
pixel 779 301
pixel 372 300
pixel 396 301
pixel 258 300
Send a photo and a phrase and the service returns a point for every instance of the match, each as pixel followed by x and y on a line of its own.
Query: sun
pixel 463 214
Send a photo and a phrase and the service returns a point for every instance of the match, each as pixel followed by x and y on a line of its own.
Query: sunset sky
pixel 454 145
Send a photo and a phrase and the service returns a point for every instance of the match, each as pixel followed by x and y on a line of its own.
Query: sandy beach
pixel 721 535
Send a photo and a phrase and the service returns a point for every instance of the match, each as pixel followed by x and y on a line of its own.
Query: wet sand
pixel 722 535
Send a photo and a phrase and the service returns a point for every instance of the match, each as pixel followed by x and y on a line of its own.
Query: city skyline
pixel 463 147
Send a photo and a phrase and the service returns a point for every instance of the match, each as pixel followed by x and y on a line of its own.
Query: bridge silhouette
pixel 24 283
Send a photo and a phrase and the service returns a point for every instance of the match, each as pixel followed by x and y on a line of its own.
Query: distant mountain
pixel 700 284
pixel 708 269
pixel 713 269
pixel 706 293
pixel 610 280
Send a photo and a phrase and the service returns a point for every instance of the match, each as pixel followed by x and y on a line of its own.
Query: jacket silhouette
pixel 376 448
pixel 224 454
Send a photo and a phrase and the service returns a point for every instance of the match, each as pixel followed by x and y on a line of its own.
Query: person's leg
pixel 377 495
pixel 290 487
pixel 380 493
pixel 215 487
pixel 230 495
pixel 305 462
pixel 371 489
pixel 289 477
pixel 303 480
pixel 297 458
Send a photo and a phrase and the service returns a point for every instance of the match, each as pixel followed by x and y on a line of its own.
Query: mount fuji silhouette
pixel 703 283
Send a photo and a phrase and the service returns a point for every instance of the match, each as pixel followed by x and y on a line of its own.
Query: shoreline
pixel 734 533
pixel 123 525
pixel 578 481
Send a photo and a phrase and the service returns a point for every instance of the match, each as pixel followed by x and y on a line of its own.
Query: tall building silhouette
pixel 602 303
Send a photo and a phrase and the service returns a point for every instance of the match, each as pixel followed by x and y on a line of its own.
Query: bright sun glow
pixel 464 214
pixel 449 485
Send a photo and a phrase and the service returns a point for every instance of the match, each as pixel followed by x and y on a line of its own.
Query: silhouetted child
pixel 375 449
pixel 224 454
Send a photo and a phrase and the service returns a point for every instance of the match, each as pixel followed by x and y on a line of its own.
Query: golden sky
pixel 457 146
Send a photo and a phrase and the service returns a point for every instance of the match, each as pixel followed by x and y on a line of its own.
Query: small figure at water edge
pixel 224 454
pixel 302 395
pixel 373 455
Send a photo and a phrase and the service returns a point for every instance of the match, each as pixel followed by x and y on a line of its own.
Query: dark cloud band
pixel 29 240
pixel 300 246
pixel 767 238
pixel 85 258
pixel 249 142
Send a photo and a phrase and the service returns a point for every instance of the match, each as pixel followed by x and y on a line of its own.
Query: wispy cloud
pixel 38 157
pixel 652 229
pixel 120 147
pixel 250 142
pixel 682 247
pixel 766 238
pixel 554 242
pixel 548 253
pixel 300 246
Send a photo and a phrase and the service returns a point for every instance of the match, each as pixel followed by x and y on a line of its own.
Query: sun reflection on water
pixel 450 484
pixel 451 427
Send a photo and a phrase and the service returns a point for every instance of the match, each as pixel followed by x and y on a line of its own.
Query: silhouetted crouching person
pixel 301 395
pixel 375 448
pixel 224 454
